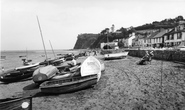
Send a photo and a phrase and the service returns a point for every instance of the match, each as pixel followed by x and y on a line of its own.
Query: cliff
pixel 84 41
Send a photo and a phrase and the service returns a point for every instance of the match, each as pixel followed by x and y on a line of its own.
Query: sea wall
pixel 169 55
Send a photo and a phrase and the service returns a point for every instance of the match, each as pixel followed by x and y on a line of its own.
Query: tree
pixel 179 18
pixel 105 31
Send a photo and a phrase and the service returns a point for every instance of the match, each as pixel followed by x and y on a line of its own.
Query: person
pixel 144 59
pixel 74 61
pixel 151 54
pixel 95 53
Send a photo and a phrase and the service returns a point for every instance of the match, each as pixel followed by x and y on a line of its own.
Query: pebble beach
pixel 124 85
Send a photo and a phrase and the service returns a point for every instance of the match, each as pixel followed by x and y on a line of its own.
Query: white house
pixel 129 39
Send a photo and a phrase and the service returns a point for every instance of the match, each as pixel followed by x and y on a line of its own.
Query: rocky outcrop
pixel 92 41
pixel 84 41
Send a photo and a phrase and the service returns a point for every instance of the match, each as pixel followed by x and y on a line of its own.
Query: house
pixel 175 37
pixel 143 38
pixel 111 45
pixel 158 39
pixel 128 41
pixel 139 40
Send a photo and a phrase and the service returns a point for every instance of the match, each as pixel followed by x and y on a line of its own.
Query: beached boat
pixel 17 74
pixel 16 103
pixel 68 72
pixel 44 73
pixel 112 56
pixel 89 75
pixel 14 75
pixel 68 84
pixel 55 62
pixel 91 66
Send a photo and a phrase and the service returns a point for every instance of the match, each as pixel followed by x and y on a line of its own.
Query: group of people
pixel 147 57
pixel 88 53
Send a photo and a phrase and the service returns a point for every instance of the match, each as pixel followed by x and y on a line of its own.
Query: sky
pixel 61 21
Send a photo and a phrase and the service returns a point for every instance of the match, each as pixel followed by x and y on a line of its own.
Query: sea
pixel 13 59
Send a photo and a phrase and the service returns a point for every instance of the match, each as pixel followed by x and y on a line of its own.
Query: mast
pixel 26 54
pixel 42 38
pixel 52 49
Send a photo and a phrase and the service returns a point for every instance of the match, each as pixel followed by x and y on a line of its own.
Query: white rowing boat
pixel 113 56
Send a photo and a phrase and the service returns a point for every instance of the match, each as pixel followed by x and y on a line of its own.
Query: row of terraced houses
pixel 157 38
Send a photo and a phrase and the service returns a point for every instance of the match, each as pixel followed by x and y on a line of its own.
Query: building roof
pixel 174 31
pixel 152 34
pixel 161 33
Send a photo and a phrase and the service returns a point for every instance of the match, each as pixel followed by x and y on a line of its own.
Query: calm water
pixel 12 57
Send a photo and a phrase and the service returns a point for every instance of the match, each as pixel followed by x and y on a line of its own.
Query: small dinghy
pixel 17 74
pixel 90 74
pixel 44 73
pixel 113 56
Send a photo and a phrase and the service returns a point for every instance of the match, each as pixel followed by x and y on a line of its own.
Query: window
pixel 179 35
pixel 172 36
pixel 168 37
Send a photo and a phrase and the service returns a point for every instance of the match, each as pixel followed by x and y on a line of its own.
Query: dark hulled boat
pixel 17 74
pixel 68 85
pixel 16 104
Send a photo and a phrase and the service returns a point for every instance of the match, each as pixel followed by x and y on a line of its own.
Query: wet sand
pixel 123 86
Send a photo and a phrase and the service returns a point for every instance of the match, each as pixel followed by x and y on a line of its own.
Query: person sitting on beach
pixel 95 53
pixel 73 62
pixel 151 54
pixel 146 57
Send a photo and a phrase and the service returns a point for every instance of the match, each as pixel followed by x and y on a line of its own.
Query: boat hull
pixel 16 104
pixel 14 76
pixel 68 85
pixel 44 73
pixel 113 56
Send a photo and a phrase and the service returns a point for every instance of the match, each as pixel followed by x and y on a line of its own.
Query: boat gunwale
pixel 69 81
